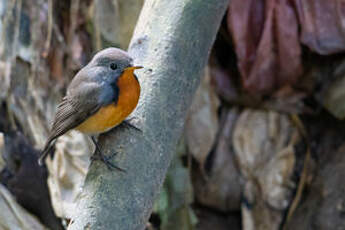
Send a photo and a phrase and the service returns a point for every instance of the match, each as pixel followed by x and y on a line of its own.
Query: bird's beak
pixel 133 68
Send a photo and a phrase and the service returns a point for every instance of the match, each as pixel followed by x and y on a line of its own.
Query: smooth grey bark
pixel 172 41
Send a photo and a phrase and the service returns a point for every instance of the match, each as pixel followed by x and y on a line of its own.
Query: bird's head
pixel 114 61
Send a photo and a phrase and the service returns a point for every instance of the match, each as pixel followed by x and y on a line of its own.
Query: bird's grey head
pixel 112 60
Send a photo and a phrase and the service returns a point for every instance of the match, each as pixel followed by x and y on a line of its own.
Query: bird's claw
pixel 128 124
pixel 98 155
pixel 106 160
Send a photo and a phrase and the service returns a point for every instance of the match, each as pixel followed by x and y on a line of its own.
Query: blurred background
pixel 264 140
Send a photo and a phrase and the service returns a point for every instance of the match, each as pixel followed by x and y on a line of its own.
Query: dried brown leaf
pixel 264 146
pixel 67 171
pixel 222 189
pixel 322 25
pixel 266 42
pixel 202 122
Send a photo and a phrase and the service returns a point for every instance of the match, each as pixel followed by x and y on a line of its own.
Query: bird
pixel 100 97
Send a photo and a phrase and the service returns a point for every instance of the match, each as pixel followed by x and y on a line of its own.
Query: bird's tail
pixel 49 145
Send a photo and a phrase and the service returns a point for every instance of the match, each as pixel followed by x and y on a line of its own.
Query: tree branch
pixel 172 41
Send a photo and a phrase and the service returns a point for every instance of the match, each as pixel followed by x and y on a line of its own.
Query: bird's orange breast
pixel 112 115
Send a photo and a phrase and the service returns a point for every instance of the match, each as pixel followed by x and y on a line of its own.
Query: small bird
pixel 100 97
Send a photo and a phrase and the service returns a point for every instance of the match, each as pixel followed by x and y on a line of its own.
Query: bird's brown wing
pixel 75 108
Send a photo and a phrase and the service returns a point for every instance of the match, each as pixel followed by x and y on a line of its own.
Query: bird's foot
pixel 98 155
pixel 106 160
pixel 129 124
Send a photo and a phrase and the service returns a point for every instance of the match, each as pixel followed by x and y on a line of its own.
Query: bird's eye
pixel 113 66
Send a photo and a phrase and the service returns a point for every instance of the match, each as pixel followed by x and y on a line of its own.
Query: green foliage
pixel 173 203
